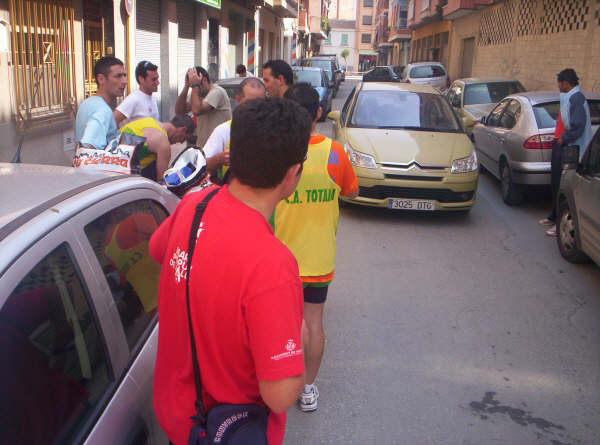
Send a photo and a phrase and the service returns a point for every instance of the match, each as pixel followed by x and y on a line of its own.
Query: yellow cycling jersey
pixel 306 222
pixel 145 156
pixel 223 168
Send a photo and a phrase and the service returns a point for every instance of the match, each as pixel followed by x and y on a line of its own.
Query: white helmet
pixel 187 170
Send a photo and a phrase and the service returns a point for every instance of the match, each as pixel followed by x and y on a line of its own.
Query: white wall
pixel 336 47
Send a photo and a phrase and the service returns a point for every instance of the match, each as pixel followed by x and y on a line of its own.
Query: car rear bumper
pixel 531 173
pixel 455 193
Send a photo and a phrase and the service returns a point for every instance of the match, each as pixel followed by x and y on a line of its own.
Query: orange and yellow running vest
pixel 306 222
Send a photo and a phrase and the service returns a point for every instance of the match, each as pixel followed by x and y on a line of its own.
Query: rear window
pixel 312 77
pixel 490 93
pixel 547 114
pixel 422 72
pixel 403 110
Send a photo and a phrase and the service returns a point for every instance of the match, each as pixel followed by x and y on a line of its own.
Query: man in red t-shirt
pixel 245 293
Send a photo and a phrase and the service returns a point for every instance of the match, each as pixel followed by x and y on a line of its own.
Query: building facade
pixel 399 34
pixel 365 30
pixel 48 49
pixel 342 37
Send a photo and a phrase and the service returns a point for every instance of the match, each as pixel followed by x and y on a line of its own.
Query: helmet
pixel 187 170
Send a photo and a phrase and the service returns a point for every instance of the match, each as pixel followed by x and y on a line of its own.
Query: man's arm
pixel 94 134
pixel 214 149
pixel 199 104
pixel 158 143
pixel 182 106
pixel 577 121
pixel 279 395
pixel 119 117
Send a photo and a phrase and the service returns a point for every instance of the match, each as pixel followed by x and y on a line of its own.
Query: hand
pixel 193 77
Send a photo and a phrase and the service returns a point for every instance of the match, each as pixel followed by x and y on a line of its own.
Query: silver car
pixel 578 215
pixel 78 322
pixel 474 97
pixel 426 73
pixel 514 142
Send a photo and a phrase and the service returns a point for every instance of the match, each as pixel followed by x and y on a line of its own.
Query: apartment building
pixel 365 30
pixel 342 37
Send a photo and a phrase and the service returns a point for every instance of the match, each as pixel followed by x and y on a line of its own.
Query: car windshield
pixel 403 110
pixel 490 93
pixel 312 77
pixel 424 71
pixel 546 114
pixel 325 64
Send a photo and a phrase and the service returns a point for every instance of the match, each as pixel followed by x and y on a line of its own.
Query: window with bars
pixel 365 38
pixel 367 20
pixel 43 57
pixel 367 3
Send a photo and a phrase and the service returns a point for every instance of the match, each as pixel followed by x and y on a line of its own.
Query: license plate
pixel 411 204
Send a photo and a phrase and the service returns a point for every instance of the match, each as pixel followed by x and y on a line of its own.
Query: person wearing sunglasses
pixel 141 103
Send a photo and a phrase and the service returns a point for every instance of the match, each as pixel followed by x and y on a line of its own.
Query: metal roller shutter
pixel 147 35
pixel 186 40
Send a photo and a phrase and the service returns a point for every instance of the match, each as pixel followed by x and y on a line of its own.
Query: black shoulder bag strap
pixel 200 416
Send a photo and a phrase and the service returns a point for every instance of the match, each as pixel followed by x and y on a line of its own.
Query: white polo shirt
pixel 138 105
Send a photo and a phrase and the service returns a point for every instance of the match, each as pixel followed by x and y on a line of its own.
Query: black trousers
pixel 555 174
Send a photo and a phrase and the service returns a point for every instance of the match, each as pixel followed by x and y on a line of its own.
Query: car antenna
pixel 17 157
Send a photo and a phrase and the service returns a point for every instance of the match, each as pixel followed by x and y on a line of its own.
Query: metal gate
pixel 147 35
pixel 42 41
pixel 186 40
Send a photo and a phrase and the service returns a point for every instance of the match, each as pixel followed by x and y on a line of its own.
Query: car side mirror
pixel 334 116
pixel 570 159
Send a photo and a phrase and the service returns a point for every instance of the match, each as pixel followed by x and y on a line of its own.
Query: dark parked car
pixel 382 74
pixel 330 67
pixel 318 79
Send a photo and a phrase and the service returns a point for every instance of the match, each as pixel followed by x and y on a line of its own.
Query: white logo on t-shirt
pixel 291 351
pixel 179 264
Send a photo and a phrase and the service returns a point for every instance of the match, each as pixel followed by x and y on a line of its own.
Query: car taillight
pixel 539 141
pixel 407 80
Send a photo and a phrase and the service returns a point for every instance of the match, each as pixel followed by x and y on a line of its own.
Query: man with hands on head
pixel 208 102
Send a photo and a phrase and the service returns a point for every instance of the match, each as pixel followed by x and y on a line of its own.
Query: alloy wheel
pixel 567 231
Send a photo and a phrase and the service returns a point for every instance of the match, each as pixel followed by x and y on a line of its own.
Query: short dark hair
pixel 142 68
pixel 252 82
pixel 204 73
pixel 183 120
pixel 240 69
pixel 102 66
pixel 568 75
pixel 304 94
pixel 281 68
pixel 268 136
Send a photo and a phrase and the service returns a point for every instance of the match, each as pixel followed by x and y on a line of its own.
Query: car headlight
pixel 359 159
pixel 465 165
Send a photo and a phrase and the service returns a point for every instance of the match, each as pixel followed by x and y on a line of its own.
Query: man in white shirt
pixel 208 102
pixel 141 103
pixel 216 149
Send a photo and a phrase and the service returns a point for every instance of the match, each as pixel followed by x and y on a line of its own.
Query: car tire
pixel 512 194
pixel 566 235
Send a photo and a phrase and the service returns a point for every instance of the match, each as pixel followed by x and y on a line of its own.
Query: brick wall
pixel 532 40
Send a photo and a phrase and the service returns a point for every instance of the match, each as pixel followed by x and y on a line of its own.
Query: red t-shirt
pixel 246 302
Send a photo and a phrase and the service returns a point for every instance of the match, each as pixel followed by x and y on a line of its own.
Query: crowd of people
pixel 264 254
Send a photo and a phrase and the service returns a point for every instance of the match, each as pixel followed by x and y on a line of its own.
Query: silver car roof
pixel 25 187
pixel 471 80
pixel 536 97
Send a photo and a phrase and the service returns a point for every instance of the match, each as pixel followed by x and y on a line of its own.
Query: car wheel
pixel 512 194
pixel 566 235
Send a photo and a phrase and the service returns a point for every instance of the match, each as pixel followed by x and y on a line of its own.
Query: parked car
pixel 338 67
pixel 407 148
pixel 426 73
pixel 381 74
pixel 78 318
pixel 474 98
pixel 328 65
pixel 514 142
pixel 578 216
pixel 318 79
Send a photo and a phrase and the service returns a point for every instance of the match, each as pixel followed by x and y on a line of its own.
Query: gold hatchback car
pixel 408 148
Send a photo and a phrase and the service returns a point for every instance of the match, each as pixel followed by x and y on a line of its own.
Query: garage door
pixel 186 41
pixel 147 35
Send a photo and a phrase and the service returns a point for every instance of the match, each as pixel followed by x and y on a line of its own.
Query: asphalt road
pixel 456 329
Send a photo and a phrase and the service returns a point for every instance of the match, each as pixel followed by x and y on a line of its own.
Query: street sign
pixel 213 3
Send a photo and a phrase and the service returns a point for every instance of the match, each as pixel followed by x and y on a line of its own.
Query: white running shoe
pixel 308 400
